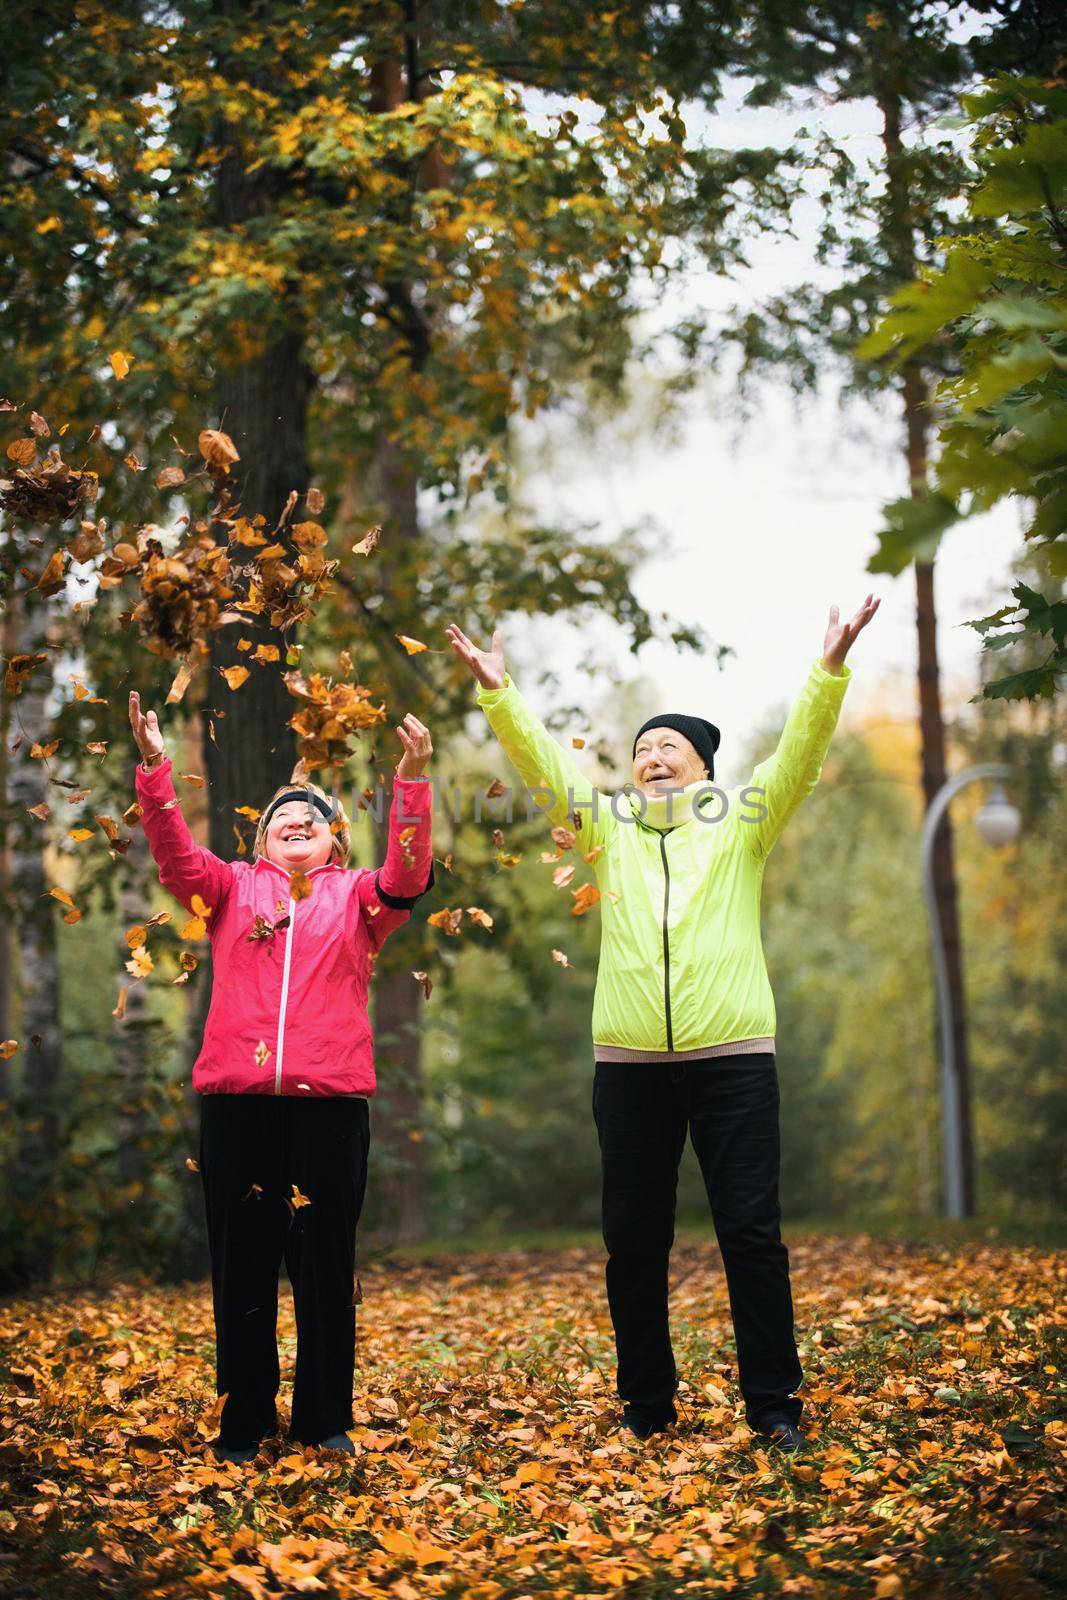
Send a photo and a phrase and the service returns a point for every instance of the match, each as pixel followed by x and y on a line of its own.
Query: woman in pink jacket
pixel 286 1071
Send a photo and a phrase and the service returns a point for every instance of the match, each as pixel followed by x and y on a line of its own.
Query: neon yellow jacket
pixel 681 958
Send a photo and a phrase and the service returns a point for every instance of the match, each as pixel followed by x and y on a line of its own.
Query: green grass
pixel 1047 1233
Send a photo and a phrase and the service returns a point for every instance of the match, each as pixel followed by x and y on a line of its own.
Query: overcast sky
pixel 768 528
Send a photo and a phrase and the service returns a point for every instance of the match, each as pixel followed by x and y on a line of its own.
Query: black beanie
pixel 703 736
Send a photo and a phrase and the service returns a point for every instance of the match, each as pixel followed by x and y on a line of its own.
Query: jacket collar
pixel 665 812
pixel 325 866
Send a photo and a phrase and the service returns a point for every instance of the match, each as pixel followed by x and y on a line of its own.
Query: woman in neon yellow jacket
pixel 683 1013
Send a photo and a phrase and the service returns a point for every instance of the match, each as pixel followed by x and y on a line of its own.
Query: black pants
pixel 253 1149
pixel 729 1105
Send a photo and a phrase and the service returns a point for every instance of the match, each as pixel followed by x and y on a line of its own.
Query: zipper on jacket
pixel 285 997
pixel 666 941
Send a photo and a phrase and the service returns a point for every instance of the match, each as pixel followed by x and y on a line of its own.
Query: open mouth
pixel 297 833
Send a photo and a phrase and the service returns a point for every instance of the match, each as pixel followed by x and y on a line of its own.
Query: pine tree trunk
pixel 9 643
pixel 931 721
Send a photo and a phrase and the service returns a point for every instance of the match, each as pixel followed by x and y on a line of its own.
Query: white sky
pixel 768 524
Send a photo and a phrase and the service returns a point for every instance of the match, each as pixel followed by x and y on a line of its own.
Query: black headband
pixel 308 797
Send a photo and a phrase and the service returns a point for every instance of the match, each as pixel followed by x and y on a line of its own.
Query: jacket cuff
pixel 823 676
pixel 490 697
pixel 155 783
pixel 401 902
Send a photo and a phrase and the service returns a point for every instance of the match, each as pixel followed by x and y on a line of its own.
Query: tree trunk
pixel 248 749
pixel 931 722
pixel 397 1012
pixel 9 643
pixel 190 1258
pixel 31 1186
pixel 130 1032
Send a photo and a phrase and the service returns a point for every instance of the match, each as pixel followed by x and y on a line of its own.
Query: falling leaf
pixel 426 981
pixel 62 895
pixel 217 449
pixel 133 814
pixel 196 927
pixel 79 835
pixel 315 501
pixel 577 744
pixel 8 1048
pixel 591 855
pixel 482 918
pixel 133 463
pixel 191 1165
pixel 120 363
pixel 119 1009
pixel 42 811
pixel 300 885
pixel 141 963
pixel 194 778
pixel 412 646
pixel 369 541
pixel 170 477
pixel 563 875
pixel 447 921
pixel 262 1054
pixel 22 451
pixel 136 935
pixel 234 676
pixel 97 747
pixel 557 955
pixel 564 838
pixel 43 751
pixel 584 898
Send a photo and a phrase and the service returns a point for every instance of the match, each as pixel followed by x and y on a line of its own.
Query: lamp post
pixel 998 823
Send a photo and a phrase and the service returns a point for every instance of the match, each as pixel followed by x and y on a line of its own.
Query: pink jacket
pixel 301 993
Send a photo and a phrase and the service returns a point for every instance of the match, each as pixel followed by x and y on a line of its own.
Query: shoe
pixel 783 1432
pixel 643 1425
pixel 240 1458
pixel 338 1441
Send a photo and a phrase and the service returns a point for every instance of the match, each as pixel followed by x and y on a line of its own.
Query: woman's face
pixel 298 837
pixel 666 760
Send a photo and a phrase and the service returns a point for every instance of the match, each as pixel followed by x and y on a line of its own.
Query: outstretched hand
pixel 418 747
pixel 145 729
pixel 840 636
pixel 487 665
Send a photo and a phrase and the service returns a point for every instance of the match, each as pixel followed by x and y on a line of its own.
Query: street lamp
pixel 998 823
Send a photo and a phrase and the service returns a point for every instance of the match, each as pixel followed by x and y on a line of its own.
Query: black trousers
pixel 253 1149
pixel 729 1106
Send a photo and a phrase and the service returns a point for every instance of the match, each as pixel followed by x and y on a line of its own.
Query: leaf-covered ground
pixel 489 1462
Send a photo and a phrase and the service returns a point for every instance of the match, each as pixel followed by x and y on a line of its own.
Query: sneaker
pixel 783 1432
pixel 338 1441
pixel 240 1458
pixel 643 1424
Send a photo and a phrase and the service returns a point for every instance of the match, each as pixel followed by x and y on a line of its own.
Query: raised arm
pixel 185 867
pixel 387 895
pixel 780 783
pixel 542 763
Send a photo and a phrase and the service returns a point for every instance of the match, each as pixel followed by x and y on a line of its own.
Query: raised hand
pixel 145 731
pixel 840 636
pixel 487 665
pixel 418 747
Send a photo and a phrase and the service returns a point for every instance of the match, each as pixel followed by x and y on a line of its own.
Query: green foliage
pixel 998 307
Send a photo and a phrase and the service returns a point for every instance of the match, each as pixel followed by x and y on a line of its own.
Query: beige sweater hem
pixel 735 1047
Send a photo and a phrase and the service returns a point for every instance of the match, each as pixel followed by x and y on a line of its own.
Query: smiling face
pixel 666 760
pixel 298 837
